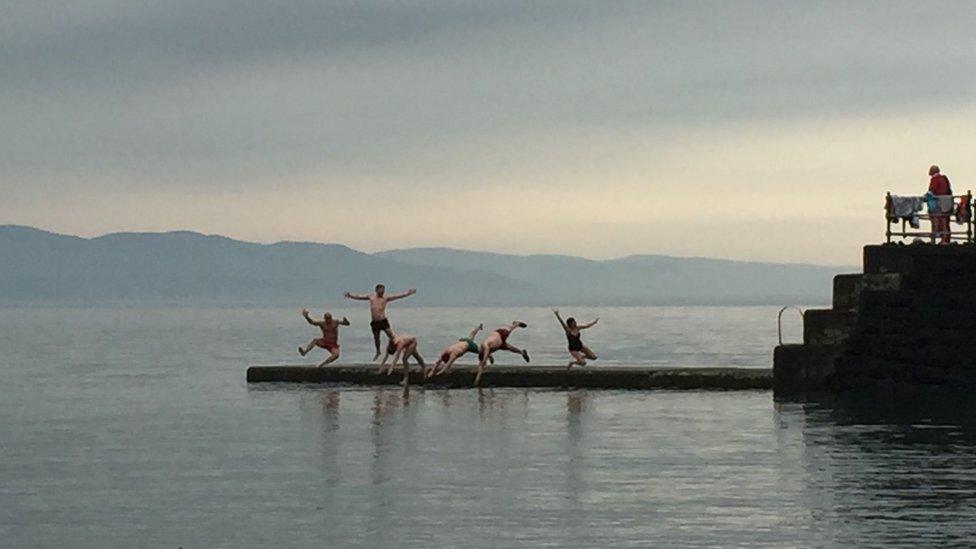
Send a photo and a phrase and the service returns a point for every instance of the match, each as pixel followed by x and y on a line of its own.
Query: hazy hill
pixel 191 267
pixel 184 267
pixel 645 279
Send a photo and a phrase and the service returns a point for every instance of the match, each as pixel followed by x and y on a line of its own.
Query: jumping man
pixel 330 335
pixel 455 351
pixel 402 347
pixel 577 350
pixel 377 311
pixel 498 339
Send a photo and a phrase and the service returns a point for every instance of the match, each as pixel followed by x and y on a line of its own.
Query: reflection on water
pixel 500 467
pixel 889 470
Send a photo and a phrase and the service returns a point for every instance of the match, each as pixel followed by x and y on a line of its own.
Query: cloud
pixel 446 105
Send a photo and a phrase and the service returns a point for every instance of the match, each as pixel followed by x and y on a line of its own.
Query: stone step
pixel 798 368
pixel 827 327
pixel 848 288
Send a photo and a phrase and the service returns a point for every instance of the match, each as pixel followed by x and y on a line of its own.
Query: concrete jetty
pixel 595 377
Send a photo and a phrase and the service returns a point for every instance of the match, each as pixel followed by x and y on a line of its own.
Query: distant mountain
pixel 643 279
pixel 38 266
pixel 184 267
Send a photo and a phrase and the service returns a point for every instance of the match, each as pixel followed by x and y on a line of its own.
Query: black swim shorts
pixel 379 325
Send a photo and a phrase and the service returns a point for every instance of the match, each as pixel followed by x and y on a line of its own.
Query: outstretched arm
pixel 561 322
pixel 474 332
pixel 357 297
pixel 386 356
pixel 308 318
pixel 407 293
pixel 590 325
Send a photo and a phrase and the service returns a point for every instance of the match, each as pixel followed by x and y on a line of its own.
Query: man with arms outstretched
pixel 330 336
pixel 377 310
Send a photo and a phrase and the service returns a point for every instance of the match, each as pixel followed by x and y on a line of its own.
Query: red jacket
pixel 939 185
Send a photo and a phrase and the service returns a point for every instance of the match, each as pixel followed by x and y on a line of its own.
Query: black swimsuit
pixel 575 342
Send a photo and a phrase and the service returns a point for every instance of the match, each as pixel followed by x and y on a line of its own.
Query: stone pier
pixel 908 319
pixel 556 377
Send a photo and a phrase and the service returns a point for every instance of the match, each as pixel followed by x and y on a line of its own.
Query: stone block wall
pixel 909 319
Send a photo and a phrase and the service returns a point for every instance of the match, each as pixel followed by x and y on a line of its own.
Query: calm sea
pixel 135 428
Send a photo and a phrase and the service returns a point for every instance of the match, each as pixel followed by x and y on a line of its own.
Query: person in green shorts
pixel 455 351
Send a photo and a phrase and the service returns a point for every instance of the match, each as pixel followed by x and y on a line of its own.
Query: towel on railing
pixel 907 208
pixel 938 205
pixel 964 211
pixel 946 205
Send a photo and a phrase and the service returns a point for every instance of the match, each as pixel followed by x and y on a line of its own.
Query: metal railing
pixel 779 319
pixel 959 236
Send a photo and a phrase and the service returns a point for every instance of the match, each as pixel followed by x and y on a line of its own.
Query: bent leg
pixel 305 350
pixel 331 359
pixel 588 353
pixel 516 350
pixel 578 359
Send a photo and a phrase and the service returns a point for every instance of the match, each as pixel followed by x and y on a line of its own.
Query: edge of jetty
pixel 595 377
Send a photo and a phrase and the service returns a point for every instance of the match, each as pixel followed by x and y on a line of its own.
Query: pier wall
pixel 908 319
pixel 556 377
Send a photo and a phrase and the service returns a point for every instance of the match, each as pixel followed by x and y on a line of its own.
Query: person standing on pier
pixel 577 350
pixel 377 310
pixel 454 351
pixel 940 187
pixel 330 336
pixel 498 339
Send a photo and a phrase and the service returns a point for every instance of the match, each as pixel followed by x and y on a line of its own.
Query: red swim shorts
pixel 330 346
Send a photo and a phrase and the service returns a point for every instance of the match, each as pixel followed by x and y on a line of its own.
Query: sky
pixel 745 130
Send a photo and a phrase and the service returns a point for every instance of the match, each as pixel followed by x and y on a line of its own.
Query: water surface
pixel 134 428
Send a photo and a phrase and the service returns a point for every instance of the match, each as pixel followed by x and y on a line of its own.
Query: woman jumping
pixel 577 350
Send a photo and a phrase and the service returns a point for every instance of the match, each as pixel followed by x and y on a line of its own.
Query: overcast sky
pixel 748 130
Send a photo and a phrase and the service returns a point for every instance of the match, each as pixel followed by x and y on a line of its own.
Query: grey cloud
pixel 229 88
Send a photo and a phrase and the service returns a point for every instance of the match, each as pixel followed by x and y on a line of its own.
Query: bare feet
pixel 525 355
pixel 301 351
pixel 377 355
